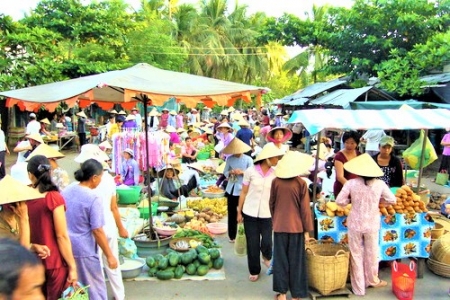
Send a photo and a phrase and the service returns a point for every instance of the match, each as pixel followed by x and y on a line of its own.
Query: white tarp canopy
pixel 124 86
pixel 315 120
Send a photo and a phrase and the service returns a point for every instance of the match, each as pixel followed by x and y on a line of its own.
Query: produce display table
pixel 401 236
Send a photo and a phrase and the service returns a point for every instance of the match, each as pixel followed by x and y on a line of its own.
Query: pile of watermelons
pixel 175 264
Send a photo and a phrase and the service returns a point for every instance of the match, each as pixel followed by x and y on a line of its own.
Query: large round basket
pixel 173 244
pixel 441 249
pixel 327 266
pixel 438 268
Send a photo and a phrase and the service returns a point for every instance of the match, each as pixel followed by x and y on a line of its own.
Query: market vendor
pixel 44 122
pixel 129 170
pixel 389 163
pixel 279 136
pixel 171 186
pixel 188 152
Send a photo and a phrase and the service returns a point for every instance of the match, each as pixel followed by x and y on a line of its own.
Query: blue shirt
pixel 243 162
pixel 245 134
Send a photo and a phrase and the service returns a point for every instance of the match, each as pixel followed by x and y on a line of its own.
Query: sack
pixel 94 131
pixel 240 245
pixel 413 153
pixel 80 292
pixel 441 178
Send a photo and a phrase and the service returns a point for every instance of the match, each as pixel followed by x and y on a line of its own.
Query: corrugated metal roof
pixel 316 120
pixel 296 102
pixel 315 89
pixel 341 97
pixel 436 78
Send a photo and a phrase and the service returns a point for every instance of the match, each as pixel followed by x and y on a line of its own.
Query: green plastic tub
pixel 203 155
pixel 144 210
pixel 128 195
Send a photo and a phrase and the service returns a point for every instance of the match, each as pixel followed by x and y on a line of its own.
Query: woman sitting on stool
pixel 171 185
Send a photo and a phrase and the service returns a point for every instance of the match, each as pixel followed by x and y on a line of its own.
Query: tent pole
pixel 316 168
pixel 145 101
pixel 422 155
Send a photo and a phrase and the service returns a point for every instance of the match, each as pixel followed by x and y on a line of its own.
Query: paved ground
pixel 237 286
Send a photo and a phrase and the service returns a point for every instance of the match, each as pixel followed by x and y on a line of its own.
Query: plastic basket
pixel 327 266
pixel 128 195
pixel 403 280
pixel 144 210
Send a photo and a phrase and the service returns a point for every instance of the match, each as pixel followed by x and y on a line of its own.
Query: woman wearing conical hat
pixel 365 192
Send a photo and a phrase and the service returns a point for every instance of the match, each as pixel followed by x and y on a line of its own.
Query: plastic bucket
pixel 203 155
pixel 144 210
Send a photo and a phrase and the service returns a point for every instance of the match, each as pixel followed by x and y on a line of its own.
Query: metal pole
pixel 422 155
pixel 316 167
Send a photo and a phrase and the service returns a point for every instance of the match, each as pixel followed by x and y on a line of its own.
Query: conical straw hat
pixel 287 134
pixel 363 165
pixel 17 191
pixel 130 117
pixel 45 150
pixel 35 136
pixel 170 129
pixel 81 114
pixel 153 113
pixel 91 151
pixel 161 172
pixel 105 145
pixel 294 164
pixel 224 112
pixel 237 116
pixel 172 112
pixel 269 150
pixel 113 112
pixel 45 121
pixel 231 109
pixel 122 112
pixel 207 130
pixel 236 146
pixel 243 123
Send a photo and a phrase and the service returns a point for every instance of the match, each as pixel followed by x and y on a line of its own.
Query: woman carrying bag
pixel 253 208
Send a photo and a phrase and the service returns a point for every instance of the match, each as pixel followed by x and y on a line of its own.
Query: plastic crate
pixel 128 195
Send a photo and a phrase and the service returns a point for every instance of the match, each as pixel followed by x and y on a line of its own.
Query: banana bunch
pixel 217 205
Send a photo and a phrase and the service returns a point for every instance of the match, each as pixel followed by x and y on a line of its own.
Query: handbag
pixel 240 244
pixel 79 292
pixel 442 178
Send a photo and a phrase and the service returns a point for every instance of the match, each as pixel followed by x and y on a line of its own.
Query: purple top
pixel 174 138
pixel 446 139
pixel 84 214
pixel 130 124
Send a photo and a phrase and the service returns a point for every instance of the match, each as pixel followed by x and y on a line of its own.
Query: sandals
pixel 266 262
pixel 253 278
pixel 382 283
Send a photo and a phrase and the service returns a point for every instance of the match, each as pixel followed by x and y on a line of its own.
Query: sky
pixel 274 8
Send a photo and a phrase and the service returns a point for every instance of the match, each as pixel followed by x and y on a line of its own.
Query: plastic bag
pixel 127 248
pixel 80 292
pixel 403 280
pixel 413 153
pixel 442 178
pixel 240 245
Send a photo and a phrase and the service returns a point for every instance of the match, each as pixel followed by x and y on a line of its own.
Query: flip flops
pixel 253 278
pixel 382 283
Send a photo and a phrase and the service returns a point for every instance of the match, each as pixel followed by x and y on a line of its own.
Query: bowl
pixel 131 268
pixel 165 231
pixel 213 195
pixel 217 228
pixel 163 208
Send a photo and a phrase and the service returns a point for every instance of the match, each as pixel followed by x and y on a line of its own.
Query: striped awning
pixel 316 120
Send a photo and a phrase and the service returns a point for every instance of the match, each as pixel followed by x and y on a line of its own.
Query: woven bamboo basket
pixel 327 266
pixel 438 268
pixel 441 249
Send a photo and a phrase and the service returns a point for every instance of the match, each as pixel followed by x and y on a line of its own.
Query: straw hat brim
pixel 105 145
pixel 153 113
pixel 269 150
pixel 161 172
pixel 224 112
pixel 113 112
pixel 45 121
pixel 243 123
pixel 173 113
pixel 17 191
pixel 170 129
pixel 122 113
pixel 207 130
pixel 287 134
pixel 363 165
pixel 45 150
pixel 224 125
pixel 91 151
pixel 35 136
pixel 179 130
pixel 294 164
pixel 130 117
pixel 236 146
pixel 81 114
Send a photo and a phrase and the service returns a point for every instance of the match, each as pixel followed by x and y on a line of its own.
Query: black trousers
pixel 258 232
pixel 289 264
pixel 185 189
pixel 2 164
pixel 82 138
pixel 232 204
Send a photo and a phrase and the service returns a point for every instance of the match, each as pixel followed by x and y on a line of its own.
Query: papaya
pixel 218 263
pixel 202 270
pixel 179 271
pixel 165 275
pixel 214 253
pixel 152 271
pixel 163 263
pixel 150 261
pixel 193 253
pixel 191 269
pixel 204 258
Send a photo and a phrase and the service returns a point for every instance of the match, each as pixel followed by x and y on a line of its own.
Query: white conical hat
pixel 81 114
pixel 363 165
pixel 294 164
pixel 91 151
pixel 269 150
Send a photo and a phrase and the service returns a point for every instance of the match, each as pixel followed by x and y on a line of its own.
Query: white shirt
pixel 20 155
pixel 138 120
pixel 186 175
pixel 33 127
pixel 256 202
pixel 373 137
pixel 2 141
pixel 105 190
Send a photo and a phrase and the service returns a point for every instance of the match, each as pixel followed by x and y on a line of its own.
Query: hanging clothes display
pixel 158 149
